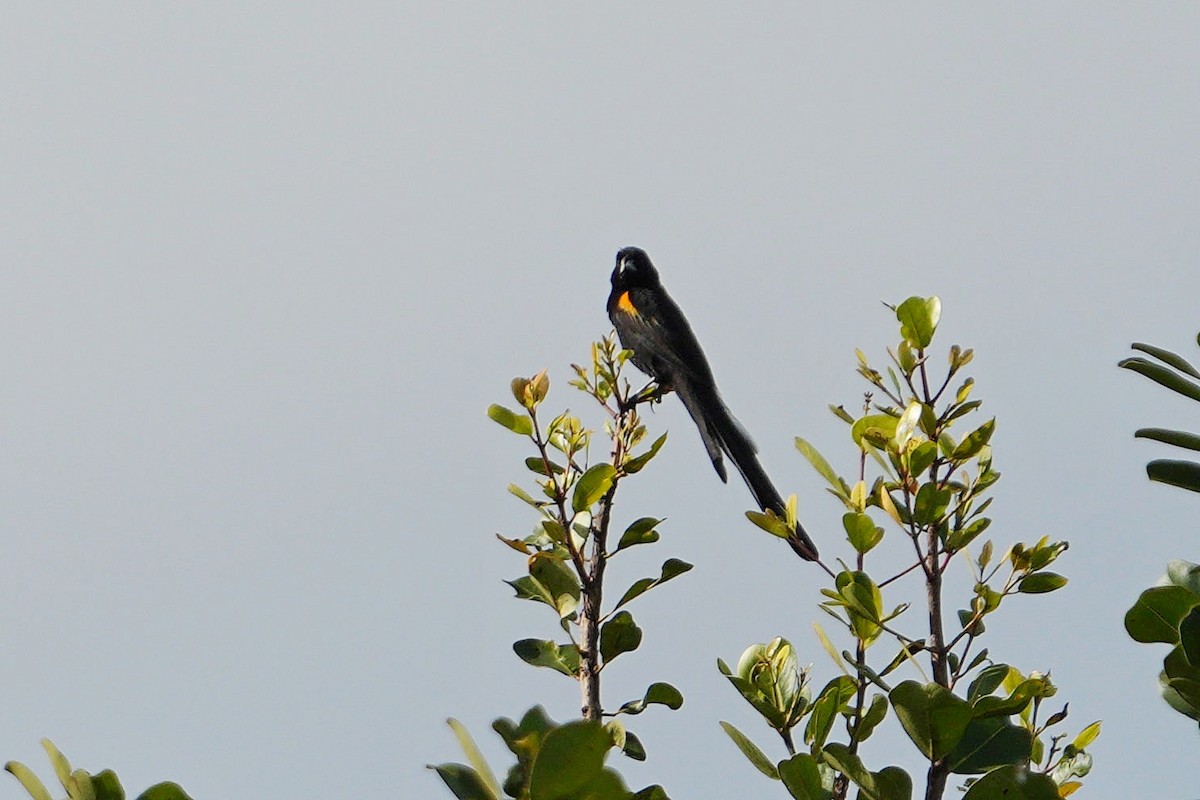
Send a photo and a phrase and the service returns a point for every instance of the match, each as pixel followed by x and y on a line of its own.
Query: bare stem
pixel 592 579
pixel 935 786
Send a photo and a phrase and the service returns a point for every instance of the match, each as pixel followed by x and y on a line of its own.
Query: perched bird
pixel 651 325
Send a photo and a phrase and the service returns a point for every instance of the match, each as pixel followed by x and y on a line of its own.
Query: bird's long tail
pixel 722 433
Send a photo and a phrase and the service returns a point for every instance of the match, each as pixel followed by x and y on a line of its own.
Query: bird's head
pixel 633 269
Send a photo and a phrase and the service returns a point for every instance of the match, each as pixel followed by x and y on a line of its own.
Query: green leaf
pixel 518 492
pixel 993 706
pixel 1189 636
pixel 106 786
pixel 918 317
pixel 1156 615
pixel 559 581
pixel 636 463
pixel 1013 783
pixel 1176 701
pixel 79 786
pixel 907 651
pixel 750 750
pixel 864 602
pixel 524 739
pixel 592 485
pixel 570 758
pixel 841 414
pixel 1087 736
pixel 1188 441
pixel 769 678
pixel 529 589
pixel 1163 376
pixel 1187 690
pixel 1178 362
pixel 633 747
pixel 862 531
pixel 1041 583
pixel 962 410
pixel 974 441
pixel 671 568
pixel 906 359
pixel 801 775
pixel 62 767
pixel 510 420
pixel 544 653
pixel 478 762
pixel 770 522
pixel 825 709
pixel 37 790
pixel 538 465
pixel 987 681
pixel 619 635
pixel 1176 665
pixel 890 783
pixel 959 539
pixel 921 457
pixel 933 717
pixel 1183 474
pixel 822 467
pixel 460 779
pixel 875 714
pixel 987 743
pixel 661 693
pixel 607 785
pixel 640 532
pixel 931 504
pixel 168 791
pixel 874 430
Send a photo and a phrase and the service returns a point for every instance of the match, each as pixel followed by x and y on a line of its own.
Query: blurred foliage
pixel 1174 372
pixel 1170 612
pixel 81 785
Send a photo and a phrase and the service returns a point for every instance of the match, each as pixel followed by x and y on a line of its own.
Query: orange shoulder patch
pixel 626 304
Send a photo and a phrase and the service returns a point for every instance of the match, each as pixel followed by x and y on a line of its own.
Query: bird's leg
pixel 652 392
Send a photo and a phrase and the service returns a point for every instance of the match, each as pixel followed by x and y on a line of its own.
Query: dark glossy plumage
pixel 651 325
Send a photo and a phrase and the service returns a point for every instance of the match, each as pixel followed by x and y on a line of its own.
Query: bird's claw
pixel 652 392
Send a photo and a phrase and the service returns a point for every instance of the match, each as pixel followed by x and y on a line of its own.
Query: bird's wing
pixel 659 333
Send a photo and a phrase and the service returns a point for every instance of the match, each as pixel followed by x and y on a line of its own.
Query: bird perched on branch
pixel 651 325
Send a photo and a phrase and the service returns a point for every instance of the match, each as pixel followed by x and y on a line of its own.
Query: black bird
pixel 651 325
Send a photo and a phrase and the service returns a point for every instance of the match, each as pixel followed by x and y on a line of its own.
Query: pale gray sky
pixel 264 267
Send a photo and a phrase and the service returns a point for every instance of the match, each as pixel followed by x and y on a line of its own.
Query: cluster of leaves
pixel 1170 613
pixel 1174 372
pixel 932 487
pixel 973 734
pixel 566 558
pixel 82 785
pixel 554 762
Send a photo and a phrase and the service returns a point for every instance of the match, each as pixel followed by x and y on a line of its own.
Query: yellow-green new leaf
pixel 509 419
pixel 592 486
pixel 822 467
pixel 37 790
pixel 919 317
pixel 480 765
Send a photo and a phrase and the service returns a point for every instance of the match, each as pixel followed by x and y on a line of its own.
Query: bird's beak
pixel 622 266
